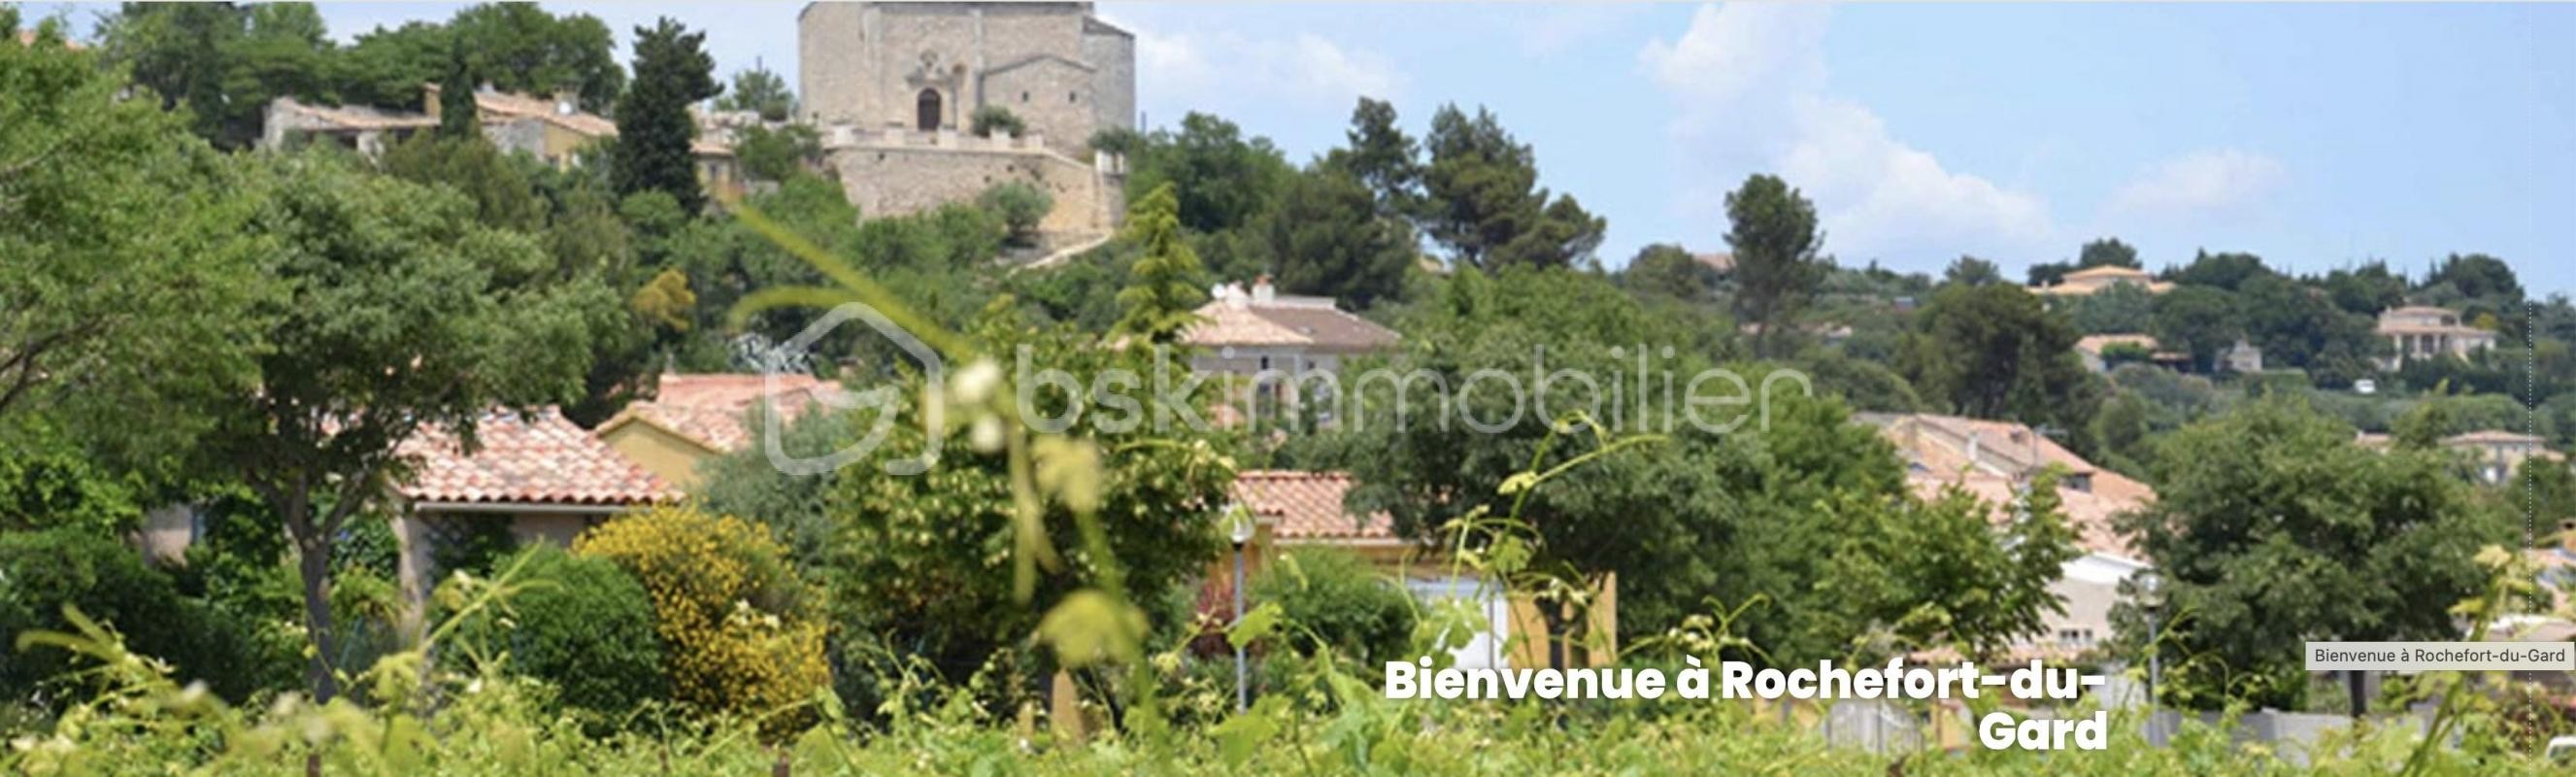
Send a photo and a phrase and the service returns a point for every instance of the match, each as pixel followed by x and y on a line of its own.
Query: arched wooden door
pixel 928 110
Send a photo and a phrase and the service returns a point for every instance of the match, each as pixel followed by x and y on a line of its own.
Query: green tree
pixel 519 47
pixel 1384 158
pixel 1162 295
pixel 776 155
pixel 1337 600
pixel 1939 572
pixel 131 283
pixel 1220 180
pixel 2196 320
pixel 1021 206
pixel 2365 290
pixel 405 314
pixel 1707 512
pixel 1325 235
pixel 990 119
pixel 2225 270
pixel 1972 271
pixel 225 62
pixel 2271 528
pixel 515 47
pixel 916 563
pixel 2121 308
pixel 1664 268
pixel 760 91
pixel 1995 352
pixel 2106 252
pixel 503 190
pixel 41 571
pixel 1484 203
pixel 2476 276
pixel 672 72
pixel 2298 325
pixel 1772 230
pixel 584 626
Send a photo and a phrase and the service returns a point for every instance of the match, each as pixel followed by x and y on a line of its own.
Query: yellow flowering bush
pixel 732 613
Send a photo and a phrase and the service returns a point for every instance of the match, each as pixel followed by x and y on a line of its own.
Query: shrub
pixel 1335 598
pixel 736 633
pixel 46 482
pixel 1020 205
pixel 994 118
pixel 585 626
pixel 107 580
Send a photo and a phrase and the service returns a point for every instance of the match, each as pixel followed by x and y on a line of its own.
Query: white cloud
pixel 1749 81
pixel 1305 69
pixel 1557 29
pixel 2210 185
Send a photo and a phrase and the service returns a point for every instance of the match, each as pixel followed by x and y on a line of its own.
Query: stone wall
pixel 1112 54
pixel 885 179
pixel 1051 95
pixel 867 64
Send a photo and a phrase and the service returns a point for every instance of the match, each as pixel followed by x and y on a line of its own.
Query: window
pixel 1072 97
pixel 1024 97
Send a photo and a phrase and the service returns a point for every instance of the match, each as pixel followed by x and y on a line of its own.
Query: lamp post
pixel 2151 598
pixel 1239 529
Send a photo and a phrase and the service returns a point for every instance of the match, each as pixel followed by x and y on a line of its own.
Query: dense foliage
pixel 739 629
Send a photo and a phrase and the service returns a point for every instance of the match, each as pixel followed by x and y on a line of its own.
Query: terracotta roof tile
pixel 713 408
pixel 1291 321
pixel 1307 506
pixel 540 459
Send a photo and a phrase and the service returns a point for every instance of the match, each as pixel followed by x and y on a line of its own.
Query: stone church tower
pixel 926 66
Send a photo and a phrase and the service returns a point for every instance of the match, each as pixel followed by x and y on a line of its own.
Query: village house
pixel 1995 462
pixel 537 476
pixel 694 417
pixel 555 130
pixel 2498 453
pixel 2091 347
pixel 2421 331
pixel 2088 281
pixel 1286 351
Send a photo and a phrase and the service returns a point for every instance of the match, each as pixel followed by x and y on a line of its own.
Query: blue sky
pixel 2314 135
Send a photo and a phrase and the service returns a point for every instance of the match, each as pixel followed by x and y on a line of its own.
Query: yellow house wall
pixel 669 456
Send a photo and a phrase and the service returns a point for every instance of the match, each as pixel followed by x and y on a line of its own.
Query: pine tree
pixel 1163 295
pixel 672 71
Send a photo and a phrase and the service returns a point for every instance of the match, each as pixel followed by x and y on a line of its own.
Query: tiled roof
pixel 711 409
pixel 2106 271
pixel 1935 448
pixel 2491 436
pixel 2090 514
pixel 1285 321
pixel 357 117
pixel 2093 344
pixel 538 459
pixel 1307 506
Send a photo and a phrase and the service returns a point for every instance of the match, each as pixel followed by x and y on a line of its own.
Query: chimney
pixel 567 102
pixel 1262 294
pixel 1233 295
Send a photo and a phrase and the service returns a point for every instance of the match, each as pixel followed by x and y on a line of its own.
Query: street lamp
pixel 2151 598
pixel 1239 529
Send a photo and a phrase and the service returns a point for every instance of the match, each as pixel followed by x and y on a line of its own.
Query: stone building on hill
pixel 894 87
pixel 928 66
